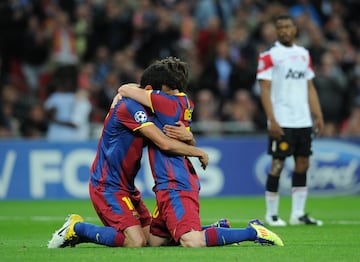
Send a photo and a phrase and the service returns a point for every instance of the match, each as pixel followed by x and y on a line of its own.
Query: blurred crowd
pixel 61 61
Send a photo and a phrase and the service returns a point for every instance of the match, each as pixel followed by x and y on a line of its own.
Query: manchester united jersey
pixel 120 147
pixel 288 69
pixel 170 171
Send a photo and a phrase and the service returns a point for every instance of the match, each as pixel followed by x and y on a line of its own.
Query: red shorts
pixel 176 213
pixel 120 210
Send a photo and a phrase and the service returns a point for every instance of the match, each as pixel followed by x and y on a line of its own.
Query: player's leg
pixel 255 231
pixel 116 210
pixel 299 191
pixel 279 150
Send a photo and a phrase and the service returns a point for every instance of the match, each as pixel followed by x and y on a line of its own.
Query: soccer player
pixel 113 193
pixel 292 108
pixel 176 218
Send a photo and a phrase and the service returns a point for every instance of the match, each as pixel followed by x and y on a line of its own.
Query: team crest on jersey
pixel 140 117
pixel 283 146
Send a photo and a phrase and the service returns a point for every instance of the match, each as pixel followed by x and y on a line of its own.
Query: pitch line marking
pixel 96 219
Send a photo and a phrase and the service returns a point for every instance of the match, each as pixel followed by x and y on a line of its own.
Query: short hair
pixel 284 17
pixel 170 71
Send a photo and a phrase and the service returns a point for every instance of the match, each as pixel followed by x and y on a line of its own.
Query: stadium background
pixel 92 47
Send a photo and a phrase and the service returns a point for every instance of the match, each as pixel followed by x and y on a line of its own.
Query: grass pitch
pixel 26 227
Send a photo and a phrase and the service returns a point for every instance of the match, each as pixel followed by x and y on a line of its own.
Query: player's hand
pixel 275 131
pixel 178 132
pixel 319 126
pixel 204 160
pixel 115 100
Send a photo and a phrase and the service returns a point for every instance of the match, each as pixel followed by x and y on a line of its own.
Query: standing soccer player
pixel 177 186
pixel 293 111
pixel 113 193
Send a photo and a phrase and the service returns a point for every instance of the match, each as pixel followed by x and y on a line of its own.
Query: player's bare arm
pixel 275 130
pixel 168 144
pixel 133 91
pixel 315 109
pixel 179 132
pixel 115 100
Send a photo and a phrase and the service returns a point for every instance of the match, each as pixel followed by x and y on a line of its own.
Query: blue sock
pixel 231 235
pixel 95 234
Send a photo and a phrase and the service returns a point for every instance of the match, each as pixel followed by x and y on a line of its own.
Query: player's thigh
pixel 283 147
pixel 303 140
pixel 193 239
pixel 115 209
pixel 180 211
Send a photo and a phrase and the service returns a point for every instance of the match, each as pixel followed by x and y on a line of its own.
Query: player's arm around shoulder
pixel 166 143
pixel 134 91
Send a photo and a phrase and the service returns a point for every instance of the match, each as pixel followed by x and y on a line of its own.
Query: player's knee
pixel 276 167
pixel 193 239
pixel 301 164
pixel 137 241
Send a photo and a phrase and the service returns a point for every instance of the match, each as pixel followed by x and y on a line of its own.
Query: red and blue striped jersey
pixel 170 171
pixel 120 147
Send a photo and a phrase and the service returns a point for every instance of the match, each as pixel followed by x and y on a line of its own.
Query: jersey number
pixel 128 202
pixel 188 114
pixel 155 212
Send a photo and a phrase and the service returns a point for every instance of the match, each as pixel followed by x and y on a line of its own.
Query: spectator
pixel 59 109
pixel 206 116
pixel 36 54
pixel 35 124
pixel 351 126
pixel 330 84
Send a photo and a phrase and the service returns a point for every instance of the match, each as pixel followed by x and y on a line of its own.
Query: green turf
pixel 26 226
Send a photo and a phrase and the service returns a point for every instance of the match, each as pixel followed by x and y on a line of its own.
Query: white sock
pixel 299 196
pixel 272 203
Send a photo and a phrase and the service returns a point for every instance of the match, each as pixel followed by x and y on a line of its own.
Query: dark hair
pixel 171 72
pixel 283 17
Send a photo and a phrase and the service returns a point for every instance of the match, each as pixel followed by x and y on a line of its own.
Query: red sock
pixel 211 237
pixel 119 239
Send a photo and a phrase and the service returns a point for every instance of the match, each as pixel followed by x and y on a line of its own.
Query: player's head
pixel 285 29
pixel 170 72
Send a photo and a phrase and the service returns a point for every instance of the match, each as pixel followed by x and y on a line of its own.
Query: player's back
pixel 120 148
pixel 171 171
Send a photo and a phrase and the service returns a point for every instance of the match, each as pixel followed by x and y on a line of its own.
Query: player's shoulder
pixel 270 50
pixel 301 48
pixel 127 103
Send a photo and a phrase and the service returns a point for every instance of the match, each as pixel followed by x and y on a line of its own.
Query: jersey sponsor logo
pixel 140 117
pixel 334 169
pixel 295 74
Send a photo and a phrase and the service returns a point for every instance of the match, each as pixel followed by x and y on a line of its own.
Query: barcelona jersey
pixel 120 147
pixel 170 171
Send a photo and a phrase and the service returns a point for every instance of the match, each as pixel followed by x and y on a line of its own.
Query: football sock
pixel 272 203
pixel 217 236
pixel 299 196
pixel 272 183
pixel 107 236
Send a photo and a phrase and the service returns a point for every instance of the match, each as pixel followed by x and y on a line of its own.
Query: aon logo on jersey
pixel 294 74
